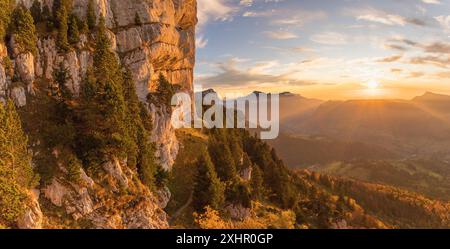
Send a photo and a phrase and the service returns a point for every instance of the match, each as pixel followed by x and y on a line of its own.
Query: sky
pixel 326 49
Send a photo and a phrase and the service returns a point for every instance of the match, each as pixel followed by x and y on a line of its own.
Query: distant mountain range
pixel 409 127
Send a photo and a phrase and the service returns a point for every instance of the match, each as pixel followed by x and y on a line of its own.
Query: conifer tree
pixel 58 4
pixel 222 159
pixel 16 172
pixel 73 30
pixel 90 15
pixel 104 110
pixel 63 29
pixel 36 11
pixel 208 190
pixel 15 160
pixel 256 183
pixel 6 9
pixel 47 17
pixel 61 75
pixel 24 30
pixel 165 90
pixel 141 150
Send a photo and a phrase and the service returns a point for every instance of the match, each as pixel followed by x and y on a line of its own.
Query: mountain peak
pixel 430 96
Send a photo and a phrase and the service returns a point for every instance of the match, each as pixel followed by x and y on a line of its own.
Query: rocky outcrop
pixel 18 96
pixel 115 200
pixel 25 67
pixel 163 43
pixel 163 135
pixel 33 217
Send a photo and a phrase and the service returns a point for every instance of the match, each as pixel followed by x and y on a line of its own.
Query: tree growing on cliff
pixel 61 75
pixel 15 159
pixel 105 128
pixel 16 172
pixel 6 9
pixel 24 30
pixel 90 15
pixel 63 29
pixel 74 30
pixel 208 190
pixel 222 159
pixel 165 90
pixel 58 4
pixel 141 152
pixel 47 17
pixel 36 11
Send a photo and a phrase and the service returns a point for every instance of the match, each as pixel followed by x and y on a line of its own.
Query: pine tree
pixel 73 30
pixel 103 110
pixel 16 172
pixel 222 159
pixel 6 10
pixel 58 4
pixel 239 193
pixel 208 190
pixel 36 11
pixel 165 90
pixel 24 30
pixel 63 29
pixel 141 150
pixel 15 160
pixel 91 16
pixel 256 183
pixel 61 75
pixel 47 17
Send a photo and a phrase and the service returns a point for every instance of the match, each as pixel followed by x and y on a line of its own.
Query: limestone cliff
pixel 163 42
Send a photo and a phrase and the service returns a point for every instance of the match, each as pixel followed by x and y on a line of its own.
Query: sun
pixel 373 84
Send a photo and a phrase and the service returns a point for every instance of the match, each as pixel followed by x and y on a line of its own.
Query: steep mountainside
pixel 44 69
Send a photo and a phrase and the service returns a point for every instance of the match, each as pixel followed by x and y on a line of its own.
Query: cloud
pixel 416 74
pixel 444 21
pixel 383 17
pixel 439 61
pixel 280 35
pixel 330 38
pixel 389 59
pixel 431 1
pixel 265 13
pixel 231 75
pixel 437 47
pixel 396 70
pixel 435 53
pixel 208 10
pixel 395 47
pixel 443 75
pixel 200 41
pixel 292 49
pixel 300 18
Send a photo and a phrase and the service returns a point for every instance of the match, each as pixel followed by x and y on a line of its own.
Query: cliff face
pixel 163 42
